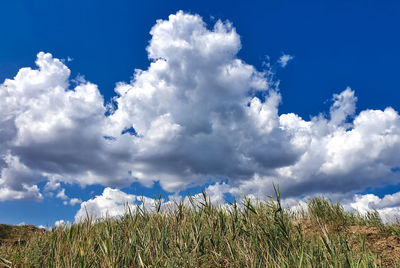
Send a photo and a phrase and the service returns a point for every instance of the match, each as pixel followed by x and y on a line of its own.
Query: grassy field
pixel 248 234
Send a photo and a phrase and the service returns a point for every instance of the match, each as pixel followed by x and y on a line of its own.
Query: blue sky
pixel 334 45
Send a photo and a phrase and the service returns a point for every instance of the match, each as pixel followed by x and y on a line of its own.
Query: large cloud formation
pixel 194 116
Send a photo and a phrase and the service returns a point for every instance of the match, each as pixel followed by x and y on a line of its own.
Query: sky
pixel 103 103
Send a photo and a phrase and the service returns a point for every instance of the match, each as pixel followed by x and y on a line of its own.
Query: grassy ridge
pixel 250 234
pixel 14 234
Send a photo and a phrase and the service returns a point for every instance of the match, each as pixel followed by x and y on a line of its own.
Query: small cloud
pixel 69 59
pixel 21 224
pixel 75 201
pixel 52 185
pixel 61 194
pixel 79 79
pixel 68 201
pixel 284 59
pixel 47 228
pixel 61 224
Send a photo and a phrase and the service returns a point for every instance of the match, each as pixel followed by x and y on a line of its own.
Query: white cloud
pixel 388 207
pixel 61 224
pixel 284 59
pixel 111 203
pixel 214 194
pixel 52 185
pixel 26 193
pixel 115 203
pixel 337 156
pixel 61 194
pixel 16 181
pixel 191 109
pixel 74 201
pixel 196 120
pixel 53 132
pixel 66 200
pixel 344 105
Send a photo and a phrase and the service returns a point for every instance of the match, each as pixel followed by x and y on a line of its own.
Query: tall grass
pixel 248 234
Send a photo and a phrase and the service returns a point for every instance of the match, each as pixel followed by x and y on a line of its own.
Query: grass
pixel 248 234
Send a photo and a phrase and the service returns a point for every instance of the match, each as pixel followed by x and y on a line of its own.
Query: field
pixel 199 234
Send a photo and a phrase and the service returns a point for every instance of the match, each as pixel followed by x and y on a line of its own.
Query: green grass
pixel 249 234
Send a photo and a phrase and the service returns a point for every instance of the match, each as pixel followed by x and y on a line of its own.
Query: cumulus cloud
pixel 74 201
pixel 192 117
pixel 195 112
pixel 339 155
pixel 115 203
pixel 60 224
pixel 388 207
pixel 111 203
pixel 51 131
pixel 16 181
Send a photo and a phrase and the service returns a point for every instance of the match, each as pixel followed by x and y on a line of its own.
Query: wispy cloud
pixel 284 59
